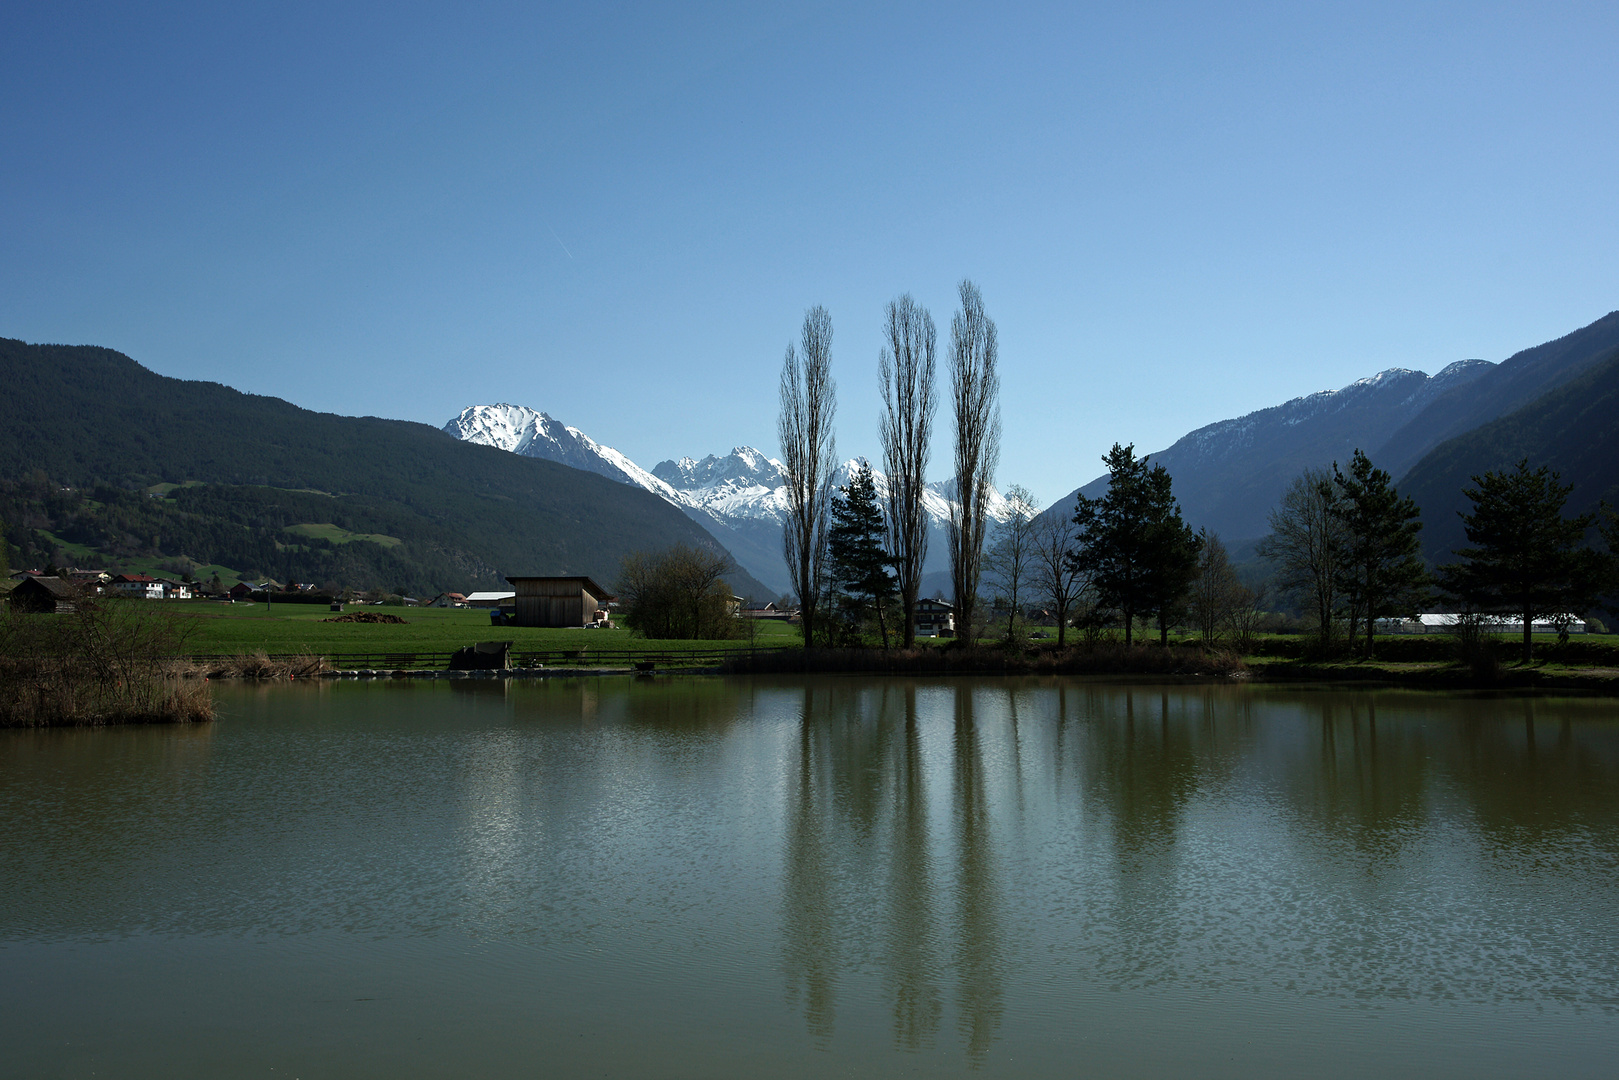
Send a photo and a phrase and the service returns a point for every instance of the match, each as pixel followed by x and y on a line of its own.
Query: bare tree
pixel 1305 544
pixel 1053 572
pixel 1011 557
pixel 975 387
pixel 1216 592
pixel 1247 614
pixel 678 593
pixel 809 400
pixel 906 369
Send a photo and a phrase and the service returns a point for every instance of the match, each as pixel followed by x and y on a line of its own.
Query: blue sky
pixel 618 213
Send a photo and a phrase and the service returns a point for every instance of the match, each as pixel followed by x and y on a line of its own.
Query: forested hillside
pixel 1574 429
pixel 1511 385
pixel 94 421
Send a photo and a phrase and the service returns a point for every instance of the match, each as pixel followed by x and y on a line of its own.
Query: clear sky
pixel 618 213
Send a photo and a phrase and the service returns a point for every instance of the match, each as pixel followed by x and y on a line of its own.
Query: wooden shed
pixel 43 595
pixel 558 601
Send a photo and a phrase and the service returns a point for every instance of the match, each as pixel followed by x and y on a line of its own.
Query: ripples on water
pixel 701 877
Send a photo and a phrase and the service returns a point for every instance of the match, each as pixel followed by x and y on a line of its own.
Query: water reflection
pixel 913 829
pixel 949 861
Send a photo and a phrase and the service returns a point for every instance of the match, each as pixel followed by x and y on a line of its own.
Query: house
pixel 241 591
pixel 769 611
pixel 935 618
pixel 43 596
pixel 559 601
pixel 448 600
pixel 137 586
pixel 175 590
pixel 489 599
pixel 92 581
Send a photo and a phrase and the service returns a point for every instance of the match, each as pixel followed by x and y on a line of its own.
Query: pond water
pixel 839 876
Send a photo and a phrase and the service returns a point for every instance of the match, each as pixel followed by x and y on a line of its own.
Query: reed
pixel 105 662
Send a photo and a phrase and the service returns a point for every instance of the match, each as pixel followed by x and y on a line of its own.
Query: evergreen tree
pixel 859 562
pixel 1527 559
pixel 1379 564
pixel 1174 548
pixel 1139 554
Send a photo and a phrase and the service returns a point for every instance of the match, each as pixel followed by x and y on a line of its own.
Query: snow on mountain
pixel 741 498
pixel 524 431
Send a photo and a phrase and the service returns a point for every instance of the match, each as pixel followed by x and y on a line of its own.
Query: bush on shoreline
pixel 102 663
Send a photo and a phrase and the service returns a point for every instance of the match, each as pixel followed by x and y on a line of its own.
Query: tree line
pixel 1344 543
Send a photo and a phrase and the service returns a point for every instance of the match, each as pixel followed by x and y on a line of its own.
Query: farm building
pixel 1447 623
pixel 559 601
pixel 43 595
pixel 489 599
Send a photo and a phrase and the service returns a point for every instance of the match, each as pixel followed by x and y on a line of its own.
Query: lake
pixel 705 877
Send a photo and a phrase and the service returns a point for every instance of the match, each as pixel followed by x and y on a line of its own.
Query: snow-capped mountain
pixel 741 498
pixel 535 434
pixel 1229 474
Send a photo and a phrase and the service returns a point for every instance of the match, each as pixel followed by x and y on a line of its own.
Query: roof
pixel 586 583
pixel 490 596
pixel 58 588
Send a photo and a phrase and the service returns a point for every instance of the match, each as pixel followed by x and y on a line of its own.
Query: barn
pixel 559 601
pixel 43 595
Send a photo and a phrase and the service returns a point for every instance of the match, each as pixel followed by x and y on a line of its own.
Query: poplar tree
pixel 975 385
pixel 906 371
pixel 809 458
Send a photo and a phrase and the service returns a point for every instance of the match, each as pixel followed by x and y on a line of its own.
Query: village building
pixel 769 611
pixel 935 618
pixel 43 595
pixel 137 586
pixel 448 600
pixel 559 601
pixel 1438 622
pixel 490 599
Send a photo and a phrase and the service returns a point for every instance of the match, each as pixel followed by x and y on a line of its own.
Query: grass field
pixel 328 531
pixel 212 627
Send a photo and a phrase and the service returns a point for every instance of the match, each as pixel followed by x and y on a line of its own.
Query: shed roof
pixel 585 583
pixel 55 586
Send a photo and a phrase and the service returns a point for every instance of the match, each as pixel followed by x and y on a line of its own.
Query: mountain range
pixel 1430 432
pixel 741 497
pixel 101 457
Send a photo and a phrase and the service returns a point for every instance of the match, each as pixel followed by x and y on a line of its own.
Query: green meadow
pixel 215 627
